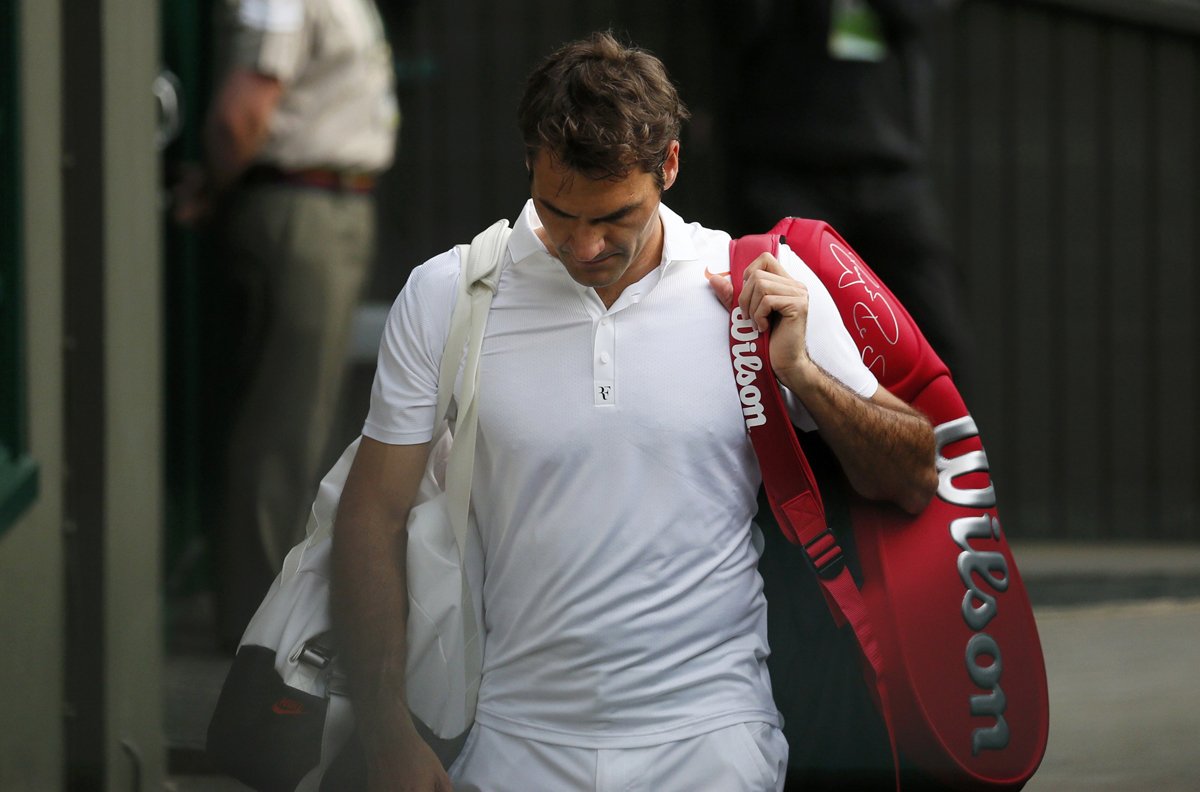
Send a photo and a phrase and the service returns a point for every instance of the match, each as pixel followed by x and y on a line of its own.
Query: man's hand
pixel 236 128
pixel 777 302
pixel 407 764
pixel 885 447
pixel 191 196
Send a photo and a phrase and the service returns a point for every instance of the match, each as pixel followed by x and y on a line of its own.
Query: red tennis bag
pixel 948 638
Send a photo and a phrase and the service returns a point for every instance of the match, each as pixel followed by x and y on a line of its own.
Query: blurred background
pixel 1063 149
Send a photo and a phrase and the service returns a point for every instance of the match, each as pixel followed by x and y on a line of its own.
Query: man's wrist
pixel 384 729
pixel 802 377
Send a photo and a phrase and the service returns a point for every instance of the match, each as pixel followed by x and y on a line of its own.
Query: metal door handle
pixel 168 92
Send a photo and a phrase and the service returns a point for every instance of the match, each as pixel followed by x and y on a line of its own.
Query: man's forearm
pixel 886 448
pixel 238 125
pixel 369 585
pixel 370 613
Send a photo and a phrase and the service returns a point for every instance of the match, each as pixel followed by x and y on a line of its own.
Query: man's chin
pixel 596 276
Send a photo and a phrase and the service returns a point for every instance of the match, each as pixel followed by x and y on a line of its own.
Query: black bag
pixel 270 736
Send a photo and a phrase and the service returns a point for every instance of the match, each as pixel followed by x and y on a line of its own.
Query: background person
pixel 303 120
pixel 832 121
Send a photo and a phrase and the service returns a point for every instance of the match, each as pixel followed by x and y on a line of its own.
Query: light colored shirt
pixel 614 489
pixel 338 108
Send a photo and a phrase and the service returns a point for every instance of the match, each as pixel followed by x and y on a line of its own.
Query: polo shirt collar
pixel 677 242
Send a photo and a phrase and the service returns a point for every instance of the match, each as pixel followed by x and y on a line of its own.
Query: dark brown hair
pixel 602 109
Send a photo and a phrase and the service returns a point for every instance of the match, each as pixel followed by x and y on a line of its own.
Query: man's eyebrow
pixel 608 218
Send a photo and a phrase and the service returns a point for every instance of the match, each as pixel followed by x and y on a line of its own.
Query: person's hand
pixel 191 196
pixel 773 300
pixel 407 764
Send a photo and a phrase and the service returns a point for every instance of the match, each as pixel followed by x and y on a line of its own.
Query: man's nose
pixel 587 243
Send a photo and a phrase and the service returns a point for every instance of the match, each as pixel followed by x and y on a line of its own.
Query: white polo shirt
pixel 614 489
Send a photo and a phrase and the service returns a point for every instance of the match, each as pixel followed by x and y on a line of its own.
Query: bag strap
pixel 480 262
pixel 479 267
pixel 791 487
pixel 788 478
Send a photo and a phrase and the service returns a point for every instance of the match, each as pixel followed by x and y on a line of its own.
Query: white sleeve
pixel 272 37
pixel 404 395
pixel 828 341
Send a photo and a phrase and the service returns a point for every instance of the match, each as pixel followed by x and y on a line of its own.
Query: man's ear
pixel 671 165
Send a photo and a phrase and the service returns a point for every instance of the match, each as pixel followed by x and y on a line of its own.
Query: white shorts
pixel 745 757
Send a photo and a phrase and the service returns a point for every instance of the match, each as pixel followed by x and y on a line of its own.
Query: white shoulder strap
pixel 480 277
pixel 480 272
pixel 481 262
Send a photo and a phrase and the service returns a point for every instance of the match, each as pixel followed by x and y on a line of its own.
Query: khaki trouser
pixel 296 260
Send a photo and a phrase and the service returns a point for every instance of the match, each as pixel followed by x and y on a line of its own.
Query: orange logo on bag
pixel 287 706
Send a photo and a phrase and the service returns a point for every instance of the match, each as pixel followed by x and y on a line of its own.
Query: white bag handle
pixel 481 262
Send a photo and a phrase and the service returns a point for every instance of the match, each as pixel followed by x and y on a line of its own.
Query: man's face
pixel 606 232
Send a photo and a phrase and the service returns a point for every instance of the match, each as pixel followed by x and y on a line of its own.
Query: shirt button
pixel 604 322
pixel 604 358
